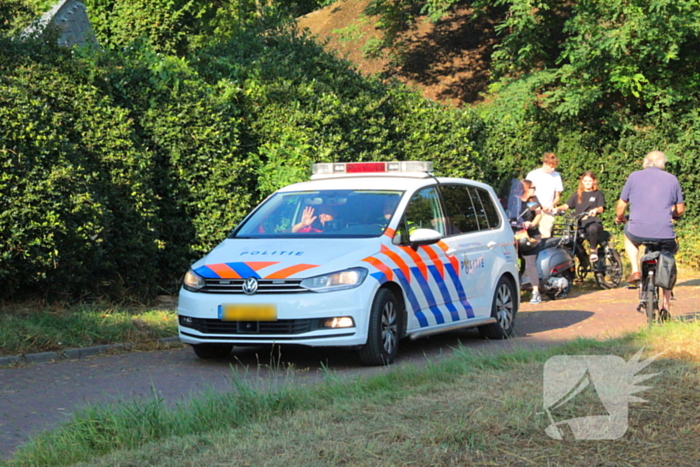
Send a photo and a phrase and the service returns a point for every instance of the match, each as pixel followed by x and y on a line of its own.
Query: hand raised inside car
pixel 307 217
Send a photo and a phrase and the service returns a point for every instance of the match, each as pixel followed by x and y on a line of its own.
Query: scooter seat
pixel 551 242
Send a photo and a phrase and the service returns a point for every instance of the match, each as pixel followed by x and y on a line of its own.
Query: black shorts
pixel 668 246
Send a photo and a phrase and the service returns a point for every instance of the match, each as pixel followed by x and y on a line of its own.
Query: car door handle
pixel 491 245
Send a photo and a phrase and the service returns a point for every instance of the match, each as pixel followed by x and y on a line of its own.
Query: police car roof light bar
pixel 371 167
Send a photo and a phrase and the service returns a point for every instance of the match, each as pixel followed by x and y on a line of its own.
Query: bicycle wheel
pixel 583 265
pixel 650 301
pixel 609 270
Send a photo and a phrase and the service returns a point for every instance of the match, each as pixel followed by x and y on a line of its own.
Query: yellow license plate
pixel 256 312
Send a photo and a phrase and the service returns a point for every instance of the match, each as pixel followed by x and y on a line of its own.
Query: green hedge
pixel 75 190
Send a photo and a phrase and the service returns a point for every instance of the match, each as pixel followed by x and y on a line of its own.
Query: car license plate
pixel 255 312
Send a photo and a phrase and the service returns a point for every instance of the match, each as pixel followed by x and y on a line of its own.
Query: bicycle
pixel 607 269
pixel 649 291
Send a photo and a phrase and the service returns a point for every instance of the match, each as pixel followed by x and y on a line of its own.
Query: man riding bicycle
pixel 655 199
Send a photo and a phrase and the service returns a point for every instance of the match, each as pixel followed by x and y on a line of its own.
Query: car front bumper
pixel 300 318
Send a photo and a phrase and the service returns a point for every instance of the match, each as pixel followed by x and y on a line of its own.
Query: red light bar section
pixel 365 167
pixel 339 168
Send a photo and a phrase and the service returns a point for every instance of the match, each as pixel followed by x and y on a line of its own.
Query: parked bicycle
pixel 607 269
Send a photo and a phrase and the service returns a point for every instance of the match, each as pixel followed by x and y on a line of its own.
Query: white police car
pixel 362 255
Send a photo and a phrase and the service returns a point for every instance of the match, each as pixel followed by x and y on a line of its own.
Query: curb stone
pixel 71 354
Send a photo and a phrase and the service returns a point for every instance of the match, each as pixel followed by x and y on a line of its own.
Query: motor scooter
pixel 555 264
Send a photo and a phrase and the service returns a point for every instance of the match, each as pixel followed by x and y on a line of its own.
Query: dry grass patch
pixel 37 327
pixel 677 342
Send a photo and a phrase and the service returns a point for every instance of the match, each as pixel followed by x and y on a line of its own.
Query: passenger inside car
pixel 389 207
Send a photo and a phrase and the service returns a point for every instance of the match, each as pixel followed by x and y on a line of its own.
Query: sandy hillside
pixel 448 61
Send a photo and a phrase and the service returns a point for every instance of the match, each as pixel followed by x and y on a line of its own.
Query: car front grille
pixel 282 327
pixel 265 286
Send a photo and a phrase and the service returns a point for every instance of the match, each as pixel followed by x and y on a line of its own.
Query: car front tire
pixel 503 309
pixel 384 330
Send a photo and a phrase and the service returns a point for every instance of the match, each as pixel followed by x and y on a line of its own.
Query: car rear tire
pixel 210 351
pixel 503 309
pixel 384 330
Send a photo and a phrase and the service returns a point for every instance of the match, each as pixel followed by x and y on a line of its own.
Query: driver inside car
pixel 311 223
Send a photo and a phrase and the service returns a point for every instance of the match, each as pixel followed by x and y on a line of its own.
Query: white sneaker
pixel 536 298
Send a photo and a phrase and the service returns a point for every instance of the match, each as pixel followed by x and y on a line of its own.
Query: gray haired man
pixel 654 197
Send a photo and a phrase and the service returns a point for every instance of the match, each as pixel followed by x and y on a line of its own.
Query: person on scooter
pixel 588 199
pixel 529 242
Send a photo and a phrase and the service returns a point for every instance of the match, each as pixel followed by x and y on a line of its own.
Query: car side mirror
pixel 421 237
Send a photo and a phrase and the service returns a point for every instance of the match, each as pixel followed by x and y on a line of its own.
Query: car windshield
pixel 322 214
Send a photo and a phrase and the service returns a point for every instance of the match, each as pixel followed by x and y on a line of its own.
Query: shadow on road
pixel 688 317
pixel 534 322
pixel 528 324
pixel 303 358
pixel 690 283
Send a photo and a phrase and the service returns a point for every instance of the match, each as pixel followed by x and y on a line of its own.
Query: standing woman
pixel 529 245
pixel 588 199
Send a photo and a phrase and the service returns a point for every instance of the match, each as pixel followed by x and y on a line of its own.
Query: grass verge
pixel 29 327
pixel 466 409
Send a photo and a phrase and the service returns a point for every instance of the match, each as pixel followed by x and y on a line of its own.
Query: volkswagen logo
pixel 250 286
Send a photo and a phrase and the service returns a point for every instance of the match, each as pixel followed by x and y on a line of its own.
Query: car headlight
pixel 193 281
pixel 347 279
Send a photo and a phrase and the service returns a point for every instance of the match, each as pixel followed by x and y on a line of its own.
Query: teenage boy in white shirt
pixel 549 187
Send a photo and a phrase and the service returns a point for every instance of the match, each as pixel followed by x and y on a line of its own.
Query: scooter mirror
pixel 533 205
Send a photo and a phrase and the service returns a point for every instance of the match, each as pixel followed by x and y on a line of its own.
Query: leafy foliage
pixel 77 208
pixel 621 56
pixel 14 14
pixel 164 24
pixel 637 54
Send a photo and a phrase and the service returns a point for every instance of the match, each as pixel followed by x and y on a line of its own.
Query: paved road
pixel 39 397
